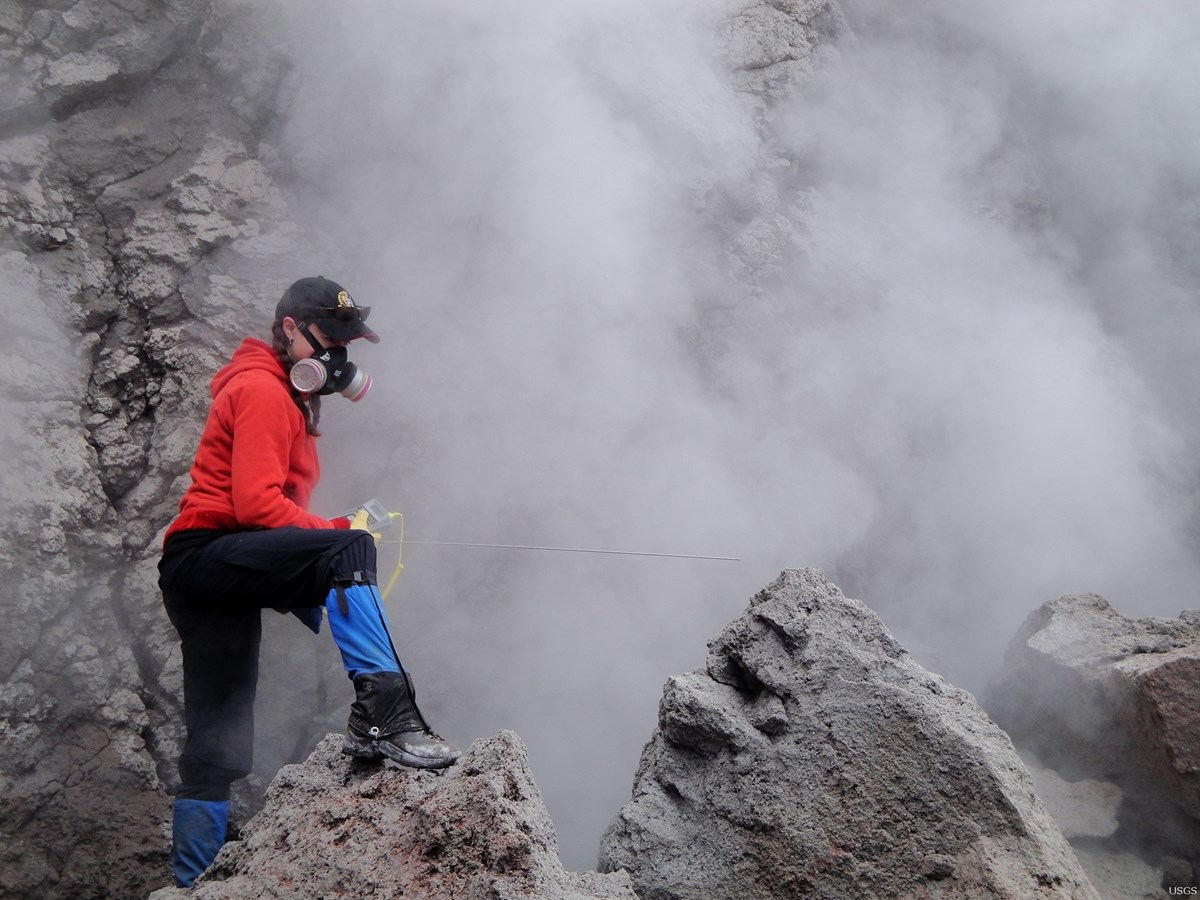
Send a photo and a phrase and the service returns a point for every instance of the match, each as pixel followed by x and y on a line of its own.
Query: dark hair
pixel 310 409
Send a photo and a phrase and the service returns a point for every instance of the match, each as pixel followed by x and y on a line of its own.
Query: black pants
pixel 215 585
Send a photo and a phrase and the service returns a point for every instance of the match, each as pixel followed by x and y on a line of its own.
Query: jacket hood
pixel 253 355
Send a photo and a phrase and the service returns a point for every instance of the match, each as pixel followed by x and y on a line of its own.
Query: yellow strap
pixel 399 556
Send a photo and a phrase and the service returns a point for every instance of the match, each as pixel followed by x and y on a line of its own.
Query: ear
pixel 289 327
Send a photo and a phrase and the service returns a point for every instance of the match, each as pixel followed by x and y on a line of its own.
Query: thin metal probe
pixel 564 550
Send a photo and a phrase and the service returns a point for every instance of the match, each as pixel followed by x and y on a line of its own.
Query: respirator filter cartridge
pixel 312 376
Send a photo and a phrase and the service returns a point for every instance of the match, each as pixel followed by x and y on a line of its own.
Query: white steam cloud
pixel 946 352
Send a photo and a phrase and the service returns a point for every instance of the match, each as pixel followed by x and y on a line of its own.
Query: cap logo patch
pixel 344 299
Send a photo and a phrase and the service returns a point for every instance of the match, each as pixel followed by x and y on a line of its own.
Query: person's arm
pixel 264 426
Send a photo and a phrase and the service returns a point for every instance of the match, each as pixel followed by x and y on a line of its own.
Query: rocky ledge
pixel 336 827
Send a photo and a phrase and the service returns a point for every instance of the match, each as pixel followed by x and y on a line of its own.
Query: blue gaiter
pixel 360 630
pixel 198 833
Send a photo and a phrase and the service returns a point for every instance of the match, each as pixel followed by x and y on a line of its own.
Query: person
pixel 244 541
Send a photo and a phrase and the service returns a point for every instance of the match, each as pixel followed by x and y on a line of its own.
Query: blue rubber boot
pixel 198 833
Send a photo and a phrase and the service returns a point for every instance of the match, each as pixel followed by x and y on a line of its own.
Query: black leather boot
pixel 385 722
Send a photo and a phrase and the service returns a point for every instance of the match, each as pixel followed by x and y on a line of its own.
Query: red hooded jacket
pixel 256 466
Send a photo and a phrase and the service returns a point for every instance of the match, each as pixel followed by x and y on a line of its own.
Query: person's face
pixel 298 345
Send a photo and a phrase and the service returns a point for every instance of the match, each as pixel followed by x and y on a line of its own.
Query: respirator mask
pixel 329 371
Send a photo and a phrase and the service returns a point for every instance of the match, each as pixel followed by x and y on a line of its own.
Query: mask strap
pixel 316 345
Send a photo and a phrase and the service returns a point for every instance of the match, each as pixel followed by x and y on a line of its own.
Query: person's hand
pixel 358 521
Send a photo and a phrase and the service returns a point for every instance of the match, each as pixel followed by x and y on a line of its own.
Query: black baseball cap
pixel 326 304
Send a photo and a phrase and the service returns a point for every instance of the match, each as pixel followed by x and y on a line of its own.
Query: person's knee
pixel 355 562
pixel 362 544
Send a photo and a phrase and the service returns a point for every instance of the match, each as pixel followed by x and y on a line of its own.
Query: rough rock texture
pixel 335 827
pixel 135 218
pixel 773 49
pixel 771 45
pixel 814 757
pixel 1096 695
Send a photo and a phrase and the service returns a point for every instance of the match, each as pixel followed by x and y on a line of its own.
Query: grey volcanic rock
pixel 1098 695
pixel 136 217
pixel 336 827
pixel 770 44
pixel 814 757
pixel 1082 809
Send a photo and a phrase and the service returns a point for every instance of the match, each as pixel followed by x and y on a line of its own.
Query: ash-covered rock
pixel 336 827
pixel 1097 695
pixel 771 44
pixel 813 757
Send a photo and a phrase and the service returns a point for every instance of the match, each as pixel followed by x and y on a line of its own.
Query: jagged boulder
pixel 1097 695
pixel 813 756
pixel 336 827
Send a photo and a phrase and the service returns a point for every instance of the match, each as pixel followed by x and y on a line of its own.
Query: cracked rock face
pixel 132 197
pixel 336 827
pixel 813 757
